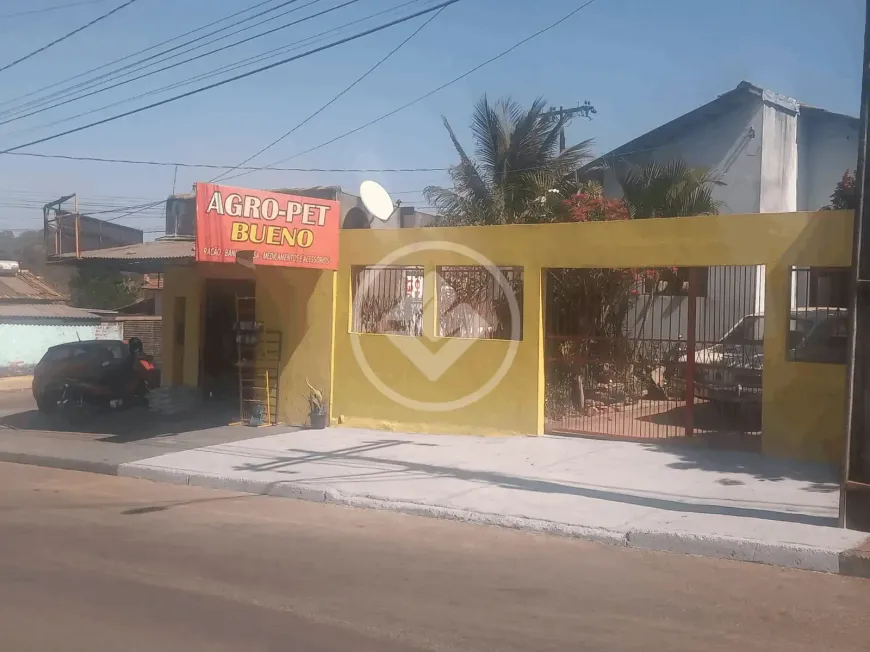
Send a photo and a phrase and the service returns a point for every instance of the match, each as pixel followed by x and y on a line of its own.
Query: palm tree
pixel 670 189
pixel 517 164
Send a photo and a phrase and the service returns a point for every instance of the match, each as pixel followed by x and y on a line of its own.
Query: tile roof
pixel 25 286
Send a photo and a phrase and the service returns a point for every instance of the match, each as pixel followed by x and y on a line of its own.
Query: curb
pixel 855 563
pixel 63 464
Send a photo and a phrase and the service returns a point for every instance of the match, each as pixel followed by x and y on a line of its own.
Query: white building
pixel 772 154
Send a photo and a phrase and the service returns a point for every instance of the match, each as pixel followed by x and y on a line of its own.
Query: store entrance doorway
pixel 223 301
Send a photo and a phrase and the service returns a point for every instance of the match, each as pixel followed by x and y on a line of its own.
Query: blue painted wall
pixel 22 345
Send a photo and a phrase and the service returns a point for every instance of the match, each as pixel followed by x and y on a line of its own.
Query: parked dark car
pixel 104 362
pixel 730 371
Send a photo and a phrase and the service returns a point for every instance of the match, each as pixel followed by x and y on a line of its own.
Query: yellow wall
pixel 297 302
pixel 182 282
pixel 803 403
pixel 514 407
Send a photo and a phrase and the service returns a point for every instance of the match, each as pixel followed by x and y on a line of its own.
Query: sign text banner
pixel 280 229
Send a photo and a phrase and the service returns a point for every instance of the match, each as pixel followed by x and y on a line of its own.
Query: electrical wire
pixel 138 52
pixel 337 97
pixel 269 54
pixel 124 82
pixel 440 88
pixel 45 10
pixel 67 35
pixel 244 75
pixel 136 212
pixel 211 166
pixel 142 63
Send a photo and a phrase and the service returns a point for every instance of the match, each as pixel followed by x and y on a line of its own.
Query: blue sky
pixel 640 62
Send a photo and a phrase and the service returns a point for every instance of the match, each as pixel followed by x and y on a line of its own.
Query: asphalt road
pixel 91 562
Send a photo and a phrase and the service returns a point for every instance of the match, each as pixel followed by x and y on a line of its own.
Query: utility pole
pixel 855 489
pixel 586 110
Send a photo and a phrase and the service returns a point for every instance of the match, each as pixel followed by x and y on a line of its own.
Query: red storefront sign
pixel 282 230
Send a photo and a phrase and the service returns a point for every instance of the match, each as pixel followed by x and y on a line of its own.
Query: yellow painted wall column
pixel 181 281
pixel 803 406
pixel 300 303
pixel 533 333
pixel 193 326
pixel 167 372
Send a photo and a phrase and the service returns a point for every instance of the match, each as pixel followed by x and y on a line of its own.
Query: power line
pixel 67 35
pixel 45 10
pixel 337 97
pixel 254 168
pixel 442 87
pixel 135 212
pixel 130 56
pixel 297 45
pixel 211 166
pixel 175 98
pixel 123 82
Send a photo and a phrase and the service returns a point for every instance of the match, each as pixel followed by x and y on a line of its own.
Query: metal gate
pixel 655 354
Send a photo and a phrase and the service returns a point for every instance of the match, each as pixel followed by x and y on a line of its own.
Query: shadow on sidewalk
pixel 381 469
pixel 129 426
pixel 822 478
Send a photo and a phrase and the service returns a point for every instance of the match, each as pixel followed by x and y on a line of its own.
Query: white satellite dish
pixel 376 200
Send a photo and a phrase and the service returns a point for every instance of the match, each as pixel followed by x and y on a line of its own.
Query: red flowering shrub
pixel 591 206
pixel 590 312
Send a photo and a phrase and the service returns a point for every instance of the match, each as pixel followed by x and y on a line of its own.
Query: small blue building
pixel 35 316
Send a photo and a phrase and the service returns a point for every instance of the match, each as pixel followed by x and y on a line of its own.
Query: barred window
pixel 388 300
pixel 818 328
pixel 478 302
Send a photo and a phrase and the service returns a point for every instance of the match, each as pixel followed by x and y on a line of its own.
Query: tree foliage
pixel 517 163
pixel 103 290
pixel 844 196
pixel 518 176
pixel 671 189
pixel 27 248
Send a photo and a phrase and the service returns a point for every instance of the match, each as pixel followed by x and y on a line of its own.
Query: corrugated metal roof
pixel 25 286
pixel 44 311
pixel 157 250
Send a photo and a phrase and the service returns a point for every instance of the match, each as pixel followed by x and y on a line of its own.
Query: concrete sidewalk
pixel 678 499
